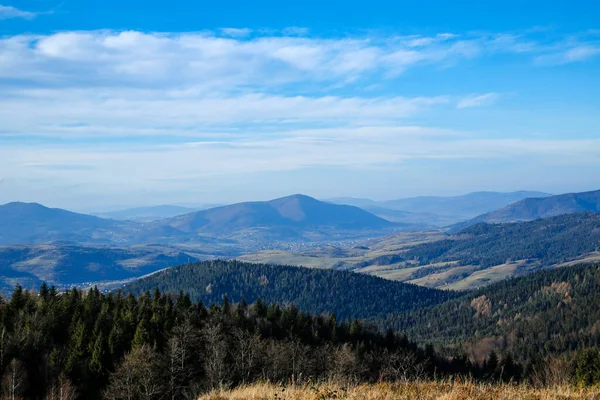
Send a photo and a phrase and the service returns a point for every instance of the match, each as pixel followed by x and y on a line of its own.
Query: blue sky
pixel 139 103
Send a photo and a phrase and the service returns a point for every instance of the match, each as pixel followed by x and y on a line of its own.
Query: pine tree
pixel 43 292
pixel 225 306
pixel 142 335
pixel 587 372
pixel 98 362
pixel 77 351
pixel 492 363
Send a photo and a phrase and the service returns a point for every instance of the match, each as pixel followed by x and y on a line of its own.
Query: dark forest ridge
pixel 346 294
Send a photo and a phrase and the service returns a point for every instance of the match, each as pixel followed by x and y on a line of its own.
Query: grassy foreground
pixel 409 391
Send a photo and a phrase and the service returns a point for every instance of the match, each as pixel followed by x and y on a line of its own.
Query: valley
pixel 65 248
pixel 471 258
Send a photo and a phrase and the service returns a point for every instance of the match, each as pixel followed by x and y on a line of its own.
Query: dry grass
pixel 451 390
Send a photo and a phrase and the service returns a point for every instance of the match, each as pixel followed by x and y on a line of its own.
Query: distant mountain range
pixel 296 218
pixel 536 208
pixel 439 210
pixel 66 247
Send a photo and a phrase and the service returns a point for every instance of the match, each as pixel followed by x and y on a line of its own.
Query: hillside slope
pixel 536 208
pixel 542 313
pixel 475 257
pixel 486 253
pixel 347 294
pixel 549 241
pixel 297 211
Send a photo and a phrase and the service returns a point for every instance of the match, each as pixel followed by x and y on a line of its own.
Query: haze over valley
pixel 65 248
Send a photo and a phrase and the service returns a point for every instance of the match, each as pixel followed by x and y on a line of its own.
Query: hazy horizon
pixel 205 205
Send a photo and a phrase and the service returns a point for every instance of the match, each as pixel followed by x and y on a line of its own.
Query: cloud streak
pixel 8 12
pixel 478 100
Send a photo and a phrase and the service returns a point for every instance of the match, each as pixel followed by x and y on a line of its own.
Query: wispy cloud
pixel 8 12
pixel 76 112
pixel 478 100
pixel 581 53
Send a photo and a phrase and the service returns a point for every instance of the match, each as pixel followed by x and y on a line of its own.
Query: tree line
pixel 86 344
pixel 159 345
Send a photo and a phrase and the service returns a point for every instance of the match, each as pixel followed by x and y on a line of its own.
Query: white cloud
pixel 478 100
pixel 132 58
pixel 8 12
pixel 232 60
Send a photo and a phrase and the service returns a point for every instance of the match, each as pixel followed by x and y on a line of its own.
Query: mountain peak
pixel 23 205
pixel 296 196
pixel 296 212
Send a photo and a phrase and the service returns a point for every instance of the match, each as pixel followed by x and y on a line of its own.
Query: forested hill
pixel 347 294
pixel 547 312
pixel 547 241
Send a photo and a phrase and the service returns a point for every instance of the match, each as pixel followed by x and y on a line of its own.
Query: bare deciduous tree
pixel 404 366
pixel 346 364
pixel 138 377
pixel 62 390
pixel 247 352
pixel 14 381
pixel 217 352
pixel 180 349
pixel 554 372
